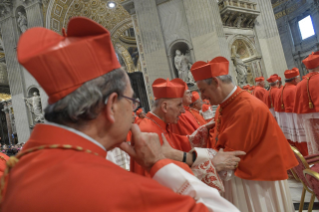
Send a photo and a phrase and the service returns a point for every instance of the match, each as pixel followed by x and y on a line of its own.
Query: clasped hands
pixel 147 150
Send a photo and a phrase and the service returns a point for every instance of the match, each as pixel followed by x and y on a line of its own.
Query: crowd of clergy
pixel 184 156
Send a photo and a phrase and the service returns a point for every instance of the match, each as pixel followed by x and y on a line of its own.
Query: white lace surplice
pixel 307 129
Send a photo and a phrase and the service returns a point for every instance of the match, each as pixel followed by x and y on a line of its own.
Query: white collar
pixel 229 95
pixel 78 133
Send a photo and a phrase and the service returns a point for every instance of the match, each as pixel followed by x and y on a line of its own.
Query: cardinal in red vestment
pixel 62 167
pixel 196 107
pixel 3 161
pixel 270 95
pixel 306 107
pixel 246 88
pixel 187 123
pixel 260 90
pixel 167 109
pixel 251 89
pixel 243 122
pixel 283 106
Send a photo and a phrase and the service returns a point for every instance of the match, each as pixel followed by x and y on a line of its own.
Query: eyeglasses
pixel 136 103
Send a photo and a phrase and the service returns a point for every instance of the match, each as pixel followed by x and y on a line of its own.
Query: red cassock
pixel 3 162
pixel 186 124
pixel 307 119
pixel 246 124
pixel 260 93
pixel 270 97
pixel 199 118
pixel 151 123
pixel 284 104
pixel 70 180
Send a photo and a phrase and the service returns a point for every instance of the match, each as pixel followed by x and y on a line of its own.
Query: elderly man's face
pixel 210 92
pixel 187 98
pixel 123 117
pixel 173 109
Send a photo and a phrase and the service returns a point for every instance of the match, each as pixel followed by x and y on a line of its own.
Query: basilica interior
pixel 160 38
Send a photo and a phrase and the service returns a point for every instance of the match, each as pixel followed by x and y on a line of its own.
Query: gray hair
pixel 224 78
pixel 273 83
pixel 86 102
pixel 291 79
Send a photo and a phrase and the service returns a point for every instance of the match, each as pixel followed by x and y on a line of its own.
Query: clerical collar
pixel 157 120
pixel 229 95
pixel 78 133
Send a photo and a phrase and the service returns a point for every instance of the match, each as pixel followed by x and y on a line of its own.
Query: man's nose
pixel 183 110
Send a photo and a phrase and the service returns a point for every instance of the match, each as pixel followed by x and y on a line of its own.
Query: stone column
pixel 33 9
pixel 206 29
pixel 286 40
pixel 152 40
pixel 269 39
pixel 6 109
pixel 145 71
pixel 15 75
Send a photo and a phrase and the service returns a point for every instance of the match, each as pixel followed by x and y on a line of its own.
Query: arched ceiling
pixel 59 12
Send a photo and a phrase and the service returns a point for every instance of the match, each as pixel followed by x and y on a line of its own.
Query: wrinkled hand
pixel 227 160
pixel 146 150
pixel 168 151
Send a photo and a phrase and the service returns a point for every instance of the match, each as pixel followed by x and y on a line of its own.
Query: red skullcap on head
pixel 289 74
pixel 246 87
pixel 251 88
pixel 61 64
pixel 201 70
pixel 168 89
pixel 312 61
pixel 259 79
pixel 195 96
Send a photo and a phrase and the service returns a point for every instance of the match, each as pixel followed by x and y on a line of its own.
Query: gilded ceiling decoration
pixel 4 96
pixel 97 10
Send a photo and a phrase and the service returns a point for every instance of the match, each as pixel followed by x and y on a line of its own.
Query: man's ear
pixel 215 82
pixel 164 106
pixel 111 107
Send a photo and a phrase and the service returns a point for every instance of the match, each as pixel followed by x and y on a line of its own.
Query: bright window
pixel 306 27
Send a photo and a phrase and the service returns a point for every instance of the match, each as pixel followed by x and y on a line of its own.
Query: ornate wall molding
pixel 290 9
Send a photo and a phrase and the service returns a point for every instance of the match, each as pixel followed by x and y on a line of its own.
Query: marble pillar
pixel 6 109
pixel 10 35
pixel 269 39
pixel 206 29
pixel 152 39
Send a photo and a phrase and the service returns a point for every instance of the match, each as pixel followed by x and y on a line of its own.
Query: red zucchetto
pixel 259 79
pixel 168 89
pixel 201 70
pixel 312 61
pixel 246 87
pixel 61 64
pixel 289 74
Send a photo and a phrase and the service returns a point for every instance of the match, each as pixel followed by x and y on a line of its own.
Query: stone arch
pixel 185 47
pixel 124 54
pixel 250 44
pixel 31 89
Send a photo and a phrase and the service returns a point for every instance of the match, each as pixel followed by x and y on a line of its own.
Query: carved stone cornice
pixel 27 3
pixel 5 8
pixel 238 13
